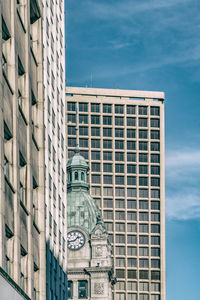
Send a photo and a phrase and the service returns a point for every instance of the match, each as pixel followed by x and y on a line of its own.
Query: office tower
pixel 121 135
pixel 22 223
pixel 55 160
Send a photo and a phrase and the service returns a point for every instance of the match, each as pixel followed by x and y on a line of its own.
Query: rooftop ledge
pixel 115 93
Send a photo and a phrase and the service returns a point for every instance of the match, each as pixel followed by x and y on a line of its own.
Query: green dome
pixel 82 210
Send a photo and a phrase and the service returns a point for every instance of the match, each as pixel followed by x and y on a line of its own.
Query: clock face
pixel 75 240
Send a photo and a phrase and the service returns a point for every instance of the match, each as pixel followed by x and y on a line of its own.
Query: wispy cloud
pixel 183 184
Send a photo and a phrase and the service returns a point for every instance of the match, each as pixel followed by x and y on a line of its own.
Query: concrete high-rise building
pixel 121 136
pixel 55 160
pixel 22 223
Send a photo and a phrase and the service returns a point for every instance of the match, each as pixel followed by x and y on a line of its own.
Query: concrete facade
pixel 22 224
pixel 121 136
pixel 55 160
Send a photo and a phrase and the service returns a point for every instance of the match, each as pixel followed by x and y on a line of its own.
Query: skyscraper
pixel 55 161
pixel 121 135
pixel 22 224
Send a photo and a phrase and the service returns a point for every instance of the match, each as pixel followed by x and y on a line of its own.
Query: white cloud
pixel 182 184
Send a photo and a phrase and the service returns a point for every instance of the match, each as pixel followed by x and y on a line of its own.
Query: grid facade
pixel 121 135
pixel 55 160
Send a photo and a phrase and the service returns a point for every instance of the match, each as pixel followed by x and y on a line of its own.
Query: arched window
pixel 82 176
pixel 76 175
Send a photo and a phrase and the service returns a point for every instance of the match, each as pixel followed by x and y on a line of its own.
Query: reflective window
pixel 107 108
pixel 130 109
pixel 83 107
pixel 82 289
pixel 107 155
pixel 95 131
pixel 95 107
pixel 95 119
pixel 107 132
pixel 119 109
pixel 142 110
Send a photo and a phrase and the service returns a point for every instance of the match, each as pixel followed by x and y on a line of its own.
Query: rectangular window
pixel 155 170
pixel 155 110
pixel 96 191
pixel 155 193
pixel 107 155
pixel 143 146
pixel 107 120
pixel 108 191
pixel 119 132
pixel 119 121
pixel 144 263
pixel 83 131
pixel 109 226
pixel 130 109
pixel 107 179
pixel 144 228
pixel 119 109
pixel 107 167
pixel 131 169
pixel 119 192
pixel 155 252
pixel 95 107
pixel 119 144
pixel 131 192
pixel 95 131
pixel 71 118
pixel 155 134
pixel 131 239
pixel 143 239
pixel 119 156
pixel 142 122
pixel 131 216
pixel 155 123
pixel 143 181
pixel 130 121
pixel 71 106
pixel 132 262
pixel 155 275
pixel 155 205
pixel 119 203
pixel 142 110
pixel 83 143
pixel 107 132
pixel 120 250
pixel 71 142
pixel 143 204
pixel 132 251
pixel 95 155
pixel 71 130
pixel 82 289
pixel 155 158
pixel 131 157
pixel 108 203
pixel 131 204
pixel 155 240
pixel 155 146
pixel 143 134
pixel 143 216
pixel 155 181
pixel 70 289
pixel 107 144
pixel 119 168
pixel 95 143
pixel 120 227
pixel 120 238
pixel 143 193
pixel 143 157
pixel 155 228
pixel 83 107
pixel 131 133
pixel 96 178
pixel 95 120
pixel 120 262
pixel 131 145
pixel 107 108
pixel 132 227
pixel 119 179
pixel 83 119
pixel 108 214
pixel 155 217
pixel 84 153
pixel 131 180
pixel 144 251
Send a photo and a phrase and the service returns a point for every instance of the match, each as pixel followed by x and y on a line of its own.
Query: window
pixel 71 142
pixel 144 251
pixel 143 181
pixel 155 170
pixel 119 179
pixel 71 130
pixel 132 275
pixel 131 133
pixel 71 106
pixel 155 181
pixel 120 227
pixel 82 289
pixel 95 131
pixel 155 240
pixel 119 192
pixel 96 167
pixel 96 191
pixel 155 297
pixel 142 122
pixel 95 143
pixel 120 238
pixel 130 109
pixel 155 287
pixel 95 120
pixel 120 250
pixel 21 70
pixel 107 179
pixel 109 226
pixel 144 263
pixel 144 228
pixel 5 32
pixel 131 180
pixel 155 263
pixel 107 120
pixel 84 153
pixel 107 167
pixel 119 168
pixel 155 146
pixel 131 169
pixel 143 204
pixel 131 157
pixel 119 109
pixel 96 178
pixel 131 216
pixel 143 239
pixel 119 203
pixel 107 108
pixel 120 274
pixel 131 192
pixel 143 193
pixel 71 118
pixel 143 216
pixel 108 203
pixel 119 144
pixel 142 110
pixel 143 134
pixel 131 204
pixel 107 144
pixel 155 110
pixel 132 227
pixel 143 146
pixel 108 214
pixel 155 193
pixel 130 121
pixel 107 155
pixel 120 262
pixel 120 285
pixel 119 132
pixel 155 252
pixel 155 205
pixel 119 156
pixel 107 132
pixel 83 107
pixel 95 107
pixel 155 122
pixel 83 130
pixel 155 134
pixel 95 155
pixel 131 239
pixel 132 251
pixel 132 262
pixel 83 143
pixel 83 119
pixel 120 215
pixel 155 275
pixel 155 217
pixel 70 289
pixel 107 191
pixel 119 121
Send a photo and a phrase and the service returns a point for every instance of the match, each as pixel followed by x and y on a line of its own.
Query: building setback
pixel 55 160
pixel 22 224
pixel 121 136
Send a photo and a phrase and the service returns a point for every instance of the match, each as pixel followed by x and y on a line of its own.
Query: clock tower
pixel 90 266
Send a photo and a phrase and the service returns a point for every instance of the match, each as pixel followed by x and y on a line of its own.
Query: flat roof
pixel 115 93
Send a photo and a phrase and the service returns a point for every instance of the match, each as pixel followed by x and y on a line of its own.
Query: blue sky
pixel 152 45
